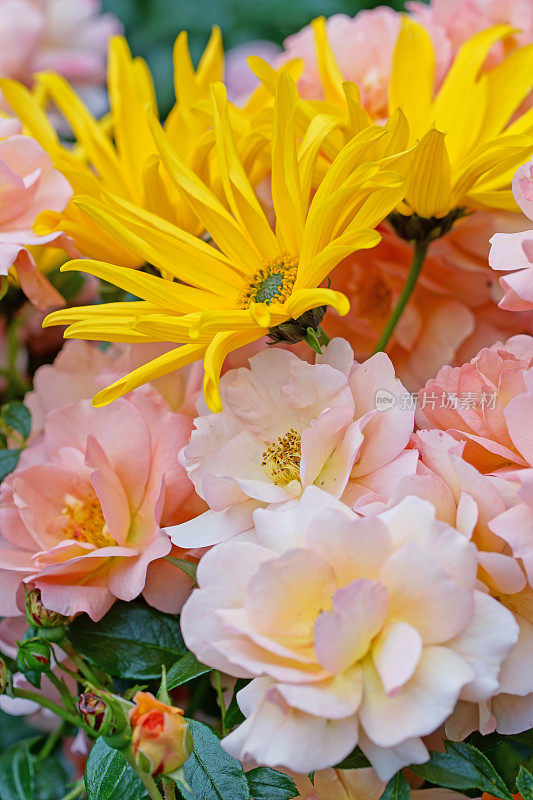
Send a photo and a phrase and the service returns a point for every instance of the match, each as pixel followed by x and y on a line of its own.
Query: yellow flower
pixel 118 154
pixel 471 138
pixel 255 278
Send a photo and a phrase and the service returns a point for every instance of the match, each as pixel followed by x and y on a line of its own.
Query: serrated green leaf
pixel 131 641
pixel 109 777
pixel 188 567
pixel 269 784
pixel 524 783
pixel 506 753
pixel 184 670
pixel 212 773
pixel 447 770
pixel 397 788
pixel 8 461
pixel 488 780
pixel 17 417
pixel 17 775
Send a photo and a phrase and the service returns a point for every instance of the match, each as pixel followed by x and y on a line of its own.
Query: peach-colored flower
pixel 485 402
pixel 496 516
pixel 29 185
pixel 453 311
pixel 80 516
pixel 340 784
pixel 287 424
pixel 355 631
pixel 513 252
pixel 161 741
pixel 66 36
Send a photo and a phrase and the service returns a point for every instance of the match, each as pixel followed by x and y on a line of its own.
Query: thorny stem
pixel 419 256
pixel 74 719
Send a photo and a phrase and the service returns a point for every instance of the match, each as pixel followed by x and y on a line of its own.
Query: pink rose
pixel 287 424
pixel 80 516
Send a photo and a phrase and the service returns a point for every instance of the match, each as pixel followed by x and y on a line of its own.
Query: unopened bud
pixel 96 712
pixel 161 740
pixel 4 676
pixel 34 655
pixel 38 615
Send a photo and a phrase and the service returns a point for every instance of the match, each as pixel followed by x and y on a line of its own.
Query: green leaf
pixel 51 779
pixel 188 567
pixel 109 777
pixel 17 417
pixel 212 773
pixel 488 779
pixel 234 715
pixel 524 783
pixel 462 767
pixel 397 788
pixel 17 772
pixel 187 668
pixel 8 461
pixel 356 760
pixel 268 784
pixel 131 641
pixel 506 753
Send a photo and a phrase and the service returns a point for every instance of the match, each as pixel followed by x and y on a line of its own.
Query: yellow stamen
pixel 272 283
pixel 281 460
pixel 86 522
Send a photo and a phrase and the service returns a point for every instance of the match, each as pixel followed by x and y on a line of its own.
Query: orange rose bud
pixel 161 740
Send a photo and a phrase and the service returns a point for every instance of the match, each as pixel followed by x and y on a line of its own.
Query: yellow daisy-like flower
pixel 255 278
pixel 472 136
pixel 118 154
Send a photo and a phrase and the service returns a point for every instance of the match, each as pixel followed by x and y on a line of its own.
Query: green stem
pixel 149 783
pixel 62 688
pixel 83 668
pixel 25 694
pixel 419 256
pixel 76 791
pixel 218 686
pixel 168 789
pixel 52 740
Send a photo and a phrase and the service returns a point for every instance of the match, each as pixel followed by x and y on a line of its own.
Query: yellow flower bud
pixel 161 740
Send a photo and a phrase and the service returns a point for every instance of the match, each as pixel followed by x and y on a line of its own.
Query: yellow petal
pixel 412 76
pixel 31 115
pixel 429 192
pixel 330 75
pixel 304 299
pixel 162 365
pixel 222 344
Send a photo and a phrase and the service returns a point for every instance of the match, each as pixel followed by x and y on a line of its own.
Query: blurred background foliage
pixel 152 25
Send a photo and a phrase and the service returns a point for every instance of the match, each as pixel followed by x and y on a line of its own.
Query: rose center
pixel 281 460
pixel 85 522
pixel 272 283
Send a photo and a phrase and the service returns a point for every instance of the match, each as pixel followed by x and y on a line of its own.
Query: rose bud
pixel 38 615
pixel 96 712
pixel 4 676
pixel 34 655
pixel 161 740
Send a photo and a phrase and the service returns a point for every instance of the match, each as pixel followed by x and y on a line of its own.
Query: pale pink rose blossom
pixel 513 252
pixel 485 402
pixel 65 36
pixel 320 608
pixel 80 516
pixel 287 424
pixel 340 784
pixel 29 184
pixel 490 512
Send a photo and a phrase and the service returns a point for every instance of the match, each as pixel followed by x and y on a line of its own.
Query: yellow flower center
pixel 272 283
pixel 86 522
pixel 281 460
